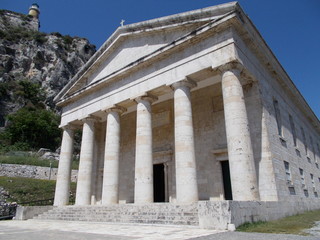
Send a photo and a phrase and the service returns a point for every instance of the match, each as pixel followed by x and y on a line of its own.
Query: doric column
pixel 241 161
pixel 110 189
pixel 61 196
pixel 83 195
pixel 143 187
pixel 186 172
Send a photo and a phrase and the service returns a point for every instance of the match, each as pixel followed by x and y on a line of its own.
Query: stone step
pixel 128 213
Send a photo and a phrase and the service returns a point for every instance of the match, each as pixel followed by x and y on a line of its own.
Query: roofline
pixel 200 14
pixel 305 107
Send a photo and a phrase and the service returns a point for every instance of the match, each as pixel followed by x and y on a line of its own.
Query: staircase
pixel 157 213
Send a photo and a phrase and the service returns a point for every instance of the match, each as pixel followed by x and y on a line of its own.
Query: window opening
pixel 302 177
pixel 304 141
pixel 278 116
pixel 293 130
pixel 288 173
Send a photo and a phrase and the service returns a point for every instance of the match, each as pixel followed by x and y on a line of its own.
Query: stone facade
pixel 190 108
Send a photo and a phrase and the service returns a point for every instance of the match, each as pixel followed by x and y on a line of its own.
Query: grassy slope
pixel 27 189
pixel 288 225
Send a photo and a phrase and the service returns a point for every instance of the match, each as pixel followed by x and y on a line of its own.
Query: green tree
pixel 35 127
pixel 30 91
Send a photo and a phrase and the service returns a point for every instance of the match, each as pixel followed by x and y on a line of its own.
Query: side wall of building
pixel 291 139
pixel 293 142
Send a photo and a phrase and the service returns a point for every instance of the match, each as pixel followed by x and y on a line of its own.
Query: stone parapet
pixel 230 214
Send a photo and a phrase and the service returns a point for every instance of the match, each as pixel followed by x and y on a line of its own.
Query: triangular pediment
pixel 133 42
pixel 134 46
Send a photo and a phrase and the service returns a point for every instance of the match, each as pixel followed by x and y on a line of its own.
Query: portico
pixel 180 156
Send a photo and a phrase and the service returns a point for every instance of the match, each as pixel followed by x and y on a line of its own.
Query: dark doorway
pixel 158 183
pixel 226 180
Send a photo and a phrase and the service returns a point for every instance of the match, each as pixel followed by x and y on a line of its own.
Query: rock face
pixel 49 60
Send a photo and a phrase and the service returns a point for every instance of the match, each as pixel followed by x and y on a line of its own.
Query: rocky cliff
pixel 48 61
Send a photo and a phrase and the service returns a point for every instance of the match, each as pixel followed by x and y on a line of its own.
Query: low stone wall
pixel 36 172
pixel 230 214
pixel 29 212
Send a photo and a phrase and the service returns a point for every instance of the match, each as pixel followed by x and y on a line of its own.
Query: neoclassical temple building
pixel 190 109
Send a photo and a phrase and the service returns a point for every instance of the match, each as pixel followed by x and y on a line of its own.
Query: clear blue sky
pixel 291 28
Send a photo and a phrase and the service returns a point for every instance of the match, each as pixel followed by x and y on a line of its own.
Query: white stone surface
pixel 110 191
pixel 186 174
pixel 61 196
pixel 83 194
pixel 143 185
pixel 241 161
pixel 122 231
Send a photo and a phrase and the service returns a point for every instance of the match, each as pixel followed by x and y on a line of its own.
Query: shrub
pixel 30 91
pixel 36 127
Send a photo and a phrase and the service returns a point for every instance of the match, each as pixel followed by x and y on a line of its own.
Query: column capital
pixel 115 108
pixel 146 97
pixel 68 127
pixel 187 83
pixel 90 118
pixel 231 66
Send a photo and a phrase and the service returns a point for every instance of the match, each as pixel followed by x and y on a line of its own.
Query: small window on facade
pixel 317 165
pixel 313 149
pixel 278 116
pixel 306 193
pixel 292 191
pixel 288 173
pixel 293 130
pixel 302 177
pixel 316 194
pixel 312 180
pixel 304 141
pixel 309 160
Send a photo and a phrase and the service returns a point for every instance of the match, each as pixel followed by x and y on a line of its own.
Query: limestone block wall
pixel 276 149
pixel 220 214
pixel 260 142
pixel 209 133
pixel 127 157
pixel 304 155
pixel 27 171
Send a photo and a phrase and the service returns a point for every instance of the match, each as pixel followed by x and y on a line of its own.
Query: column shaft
pixel 61 196
pixel 143 188
pixel 83 195
pixel 241 160
pixel 186 172
pixel 110 191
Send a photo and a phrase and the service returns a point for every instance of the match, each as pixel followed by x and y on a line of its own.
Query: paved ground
pixel 53 230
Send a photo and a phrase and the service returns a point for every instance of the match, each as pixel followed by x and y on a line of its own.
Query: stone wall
pixel 302 155
pixel 230 214
pixel 36 172
pixel 29 212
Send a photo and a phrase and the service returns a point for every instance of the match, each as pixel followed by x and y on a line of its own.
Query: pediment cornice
pixel 199 18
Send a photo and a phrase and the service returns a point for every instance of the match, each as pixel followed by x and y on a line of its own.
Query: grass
pixel 32 160
pixel 288 225
pixel 27 189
